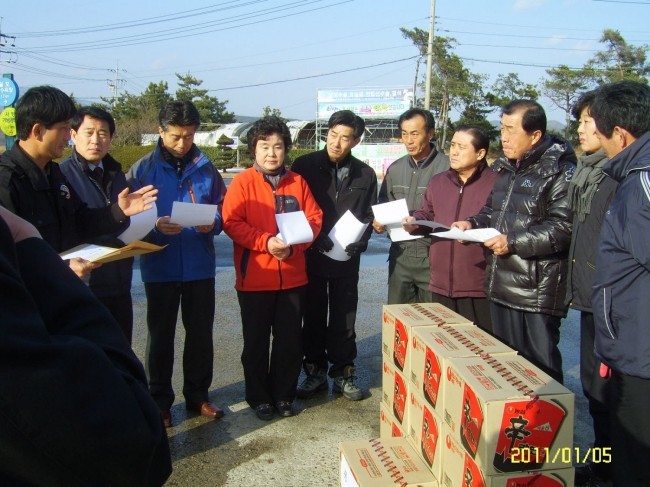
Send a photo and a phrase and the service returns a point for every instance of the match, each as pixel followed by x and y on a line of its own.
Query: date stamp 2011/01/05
pixel 561 455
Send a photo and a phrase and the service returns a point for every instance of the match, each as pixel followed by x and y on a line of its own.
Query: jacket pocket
pixel 607 312
pixel 243 263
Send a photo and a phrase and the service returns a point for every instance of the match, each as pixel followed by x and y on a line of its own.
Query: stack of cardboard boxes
pixel 474 412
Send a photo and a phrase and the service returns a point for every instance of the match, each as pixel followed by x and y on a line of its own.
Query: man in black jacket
pixel 98 179
pixel 34 188
pixel 339 182
pixel 525 279
pixel 74 408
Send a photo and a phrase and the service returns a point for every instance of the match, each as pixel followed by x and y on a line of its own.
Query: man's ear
pixel 356 142
pixel 623 137
pixel 37 132
pixel 536 136
pixel 481 154
pixel 161 131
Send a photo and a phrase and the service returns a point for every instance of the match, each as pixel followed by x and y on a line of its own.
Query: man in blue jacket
pixel 183 273
pixel 621 288
pixel 98 179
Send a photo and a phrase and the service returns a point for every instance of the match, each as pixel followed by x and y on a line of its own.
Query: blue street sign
pixel 8 92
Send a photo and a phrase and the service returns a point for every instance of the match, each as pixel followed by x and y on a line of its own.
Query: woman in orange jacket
pixel 271 275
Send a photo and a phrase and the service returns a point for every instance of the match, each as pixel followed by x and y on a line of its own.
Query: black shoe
pixel 264 411
pixel 285 408
pixel 586 477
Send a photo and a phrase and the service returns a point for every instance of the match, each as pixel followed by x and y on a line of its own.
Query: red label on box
pixel 399 347
pixel 399 401
pixel 472 476
pixel 525 425
pixel 395 432
pixel 431 382
pixel 429 436
pixel 471 421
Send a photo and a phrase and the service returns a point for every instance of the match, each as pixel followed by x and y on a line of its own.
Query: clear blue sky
pixel 234 43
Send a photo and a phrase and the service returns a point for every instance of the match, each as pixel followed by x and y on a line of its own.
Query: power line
pixel 314 75
pixel 622 1
pixel 136 23
pixel 186 31
pixel 570 28
pixel 524 36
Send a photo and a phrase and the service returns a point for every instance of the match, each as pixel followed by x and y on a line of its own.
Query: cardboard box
pixel 394 392
pixel 431 346
pixel 389 427
pixel 424 430
pixel 460 470
pixel 382 463
pixel 497 407
pixel 398 321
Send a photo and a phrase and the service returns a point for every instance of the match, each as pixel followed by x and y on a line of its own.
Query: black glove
pixel 323 243
pixel 356 248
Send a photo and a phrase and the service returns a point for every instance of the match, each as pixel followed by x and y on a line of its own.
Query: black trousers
pixel 121 307
pixel 196 300
pixel 475 309
pixel 599 391
pixel 265 314
pixel 331 339
pixel 630 431
pixel 534 335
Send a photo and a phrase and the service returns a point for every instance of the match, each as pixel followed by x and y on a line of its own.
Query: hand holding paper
pixel 191 215
pixel 473 235
pixel 294 228
pixel 390 216
pixel 346 231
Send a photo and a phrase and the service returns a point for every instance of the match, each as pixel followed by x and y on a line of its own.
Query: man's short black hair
pixel 347 118
pixel 533 115
pixel 429 122
pixel 263 128
pixel 480 139
pixel 42 104
pixel 179 113
pixel 585 101
pixel 624 104
pixel 92 112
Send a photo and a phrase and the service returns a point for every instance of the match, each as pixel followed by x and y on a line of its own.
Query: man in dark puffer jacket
pixel 526 275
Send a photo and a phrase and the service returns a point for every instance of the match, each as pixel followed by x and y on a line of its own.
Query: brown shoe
pixel 206 409
pixel 167 418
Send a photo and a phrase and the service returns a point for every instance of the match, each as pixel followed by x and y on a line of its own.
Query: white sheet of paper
pixel 428 223
pixel 294 227
pixel 474 235
pixel 141 224
pixel 87 252
pixel 391 215
pixel 192 215
pixel 346 231
pixel 398 234
pixel 391 212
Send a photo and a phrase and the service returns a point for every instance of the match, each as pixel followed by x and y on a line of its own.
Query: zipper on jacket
pixel 453 245
pixel 499 221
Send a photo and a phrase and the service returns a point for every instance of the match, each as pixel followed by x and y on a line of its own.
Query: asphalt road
pixel 240 450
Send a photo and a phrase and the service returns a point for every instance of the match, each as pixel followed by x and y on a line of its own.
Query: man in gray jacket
pixel 408 177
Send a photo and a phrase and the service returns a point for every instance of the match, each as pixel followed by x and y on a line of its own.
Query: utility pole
pixel 114 84
pixel 427 89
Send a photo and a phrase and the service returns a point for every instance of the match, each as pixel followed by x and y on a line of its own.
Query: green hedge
pixel 127 155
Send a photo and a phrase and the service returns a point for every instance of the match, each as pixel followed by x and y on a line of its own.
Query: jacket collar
pixel 636 157
pixel 197 158
pixel 110 165
pixel 547 155
pixel 432 155
pixel 29 168
pixel 454 178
